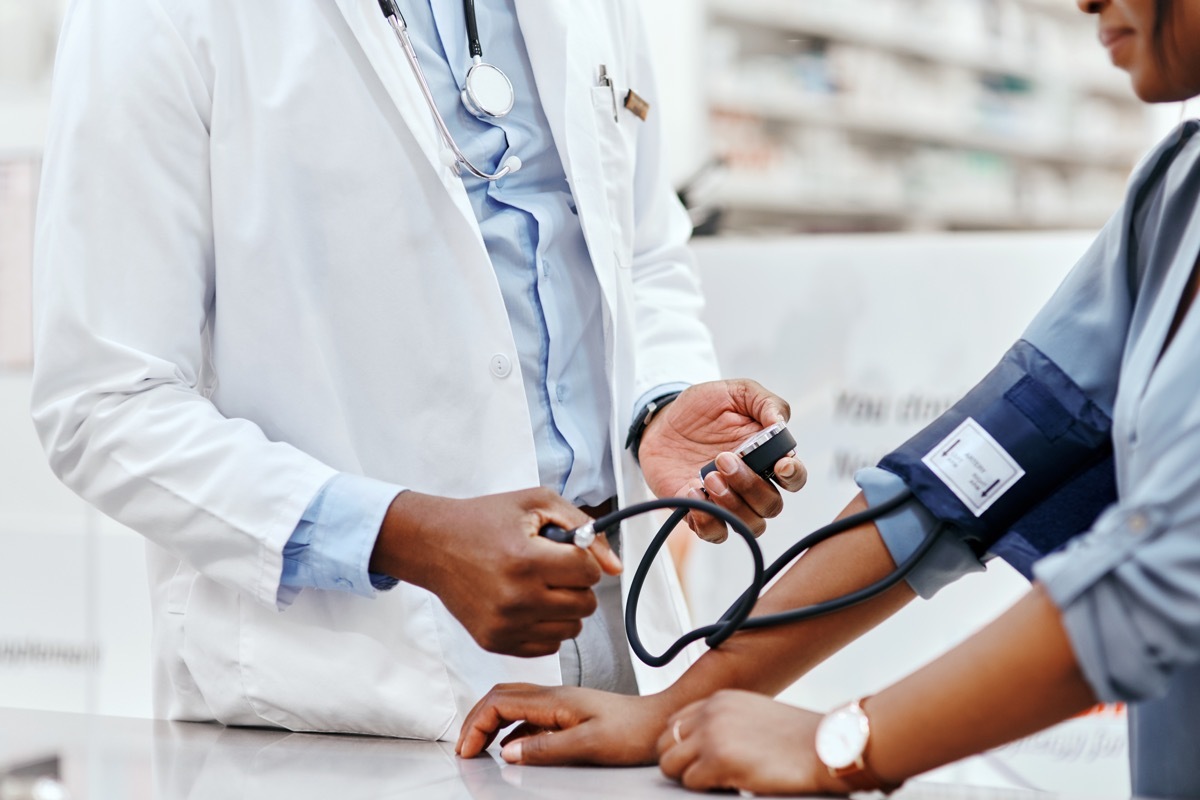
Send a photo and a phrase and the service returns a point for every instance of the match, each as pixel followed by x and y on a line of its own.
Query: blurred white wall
pixel 28 36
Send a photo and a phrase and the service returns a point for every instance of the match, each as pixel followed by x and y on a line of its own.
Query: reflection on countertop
pixel 114 758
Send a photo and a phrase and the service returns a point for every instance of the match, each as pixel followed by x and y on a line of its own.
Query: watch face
pixel 842 737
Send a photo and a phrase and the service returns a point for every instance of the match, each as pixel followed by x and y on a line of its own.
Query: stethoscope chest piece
pixel 488 92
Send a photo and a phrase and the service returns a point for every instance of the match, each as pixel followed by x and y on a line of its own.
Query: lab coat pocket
pixel 172 639
pixel 179 589
pixel 616 135
pixel 378 665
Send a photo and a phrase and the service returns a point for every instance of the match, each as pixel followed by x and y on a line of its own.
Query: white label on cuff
pixel 974 466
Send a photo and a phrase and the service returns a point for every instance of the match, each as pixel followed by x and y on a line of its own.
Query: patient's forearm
pixel 770 659
pixel 1016 676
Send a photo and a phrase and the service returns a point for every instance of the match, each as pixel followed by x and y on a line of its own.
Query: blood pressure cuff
pixel 1019 465
pixel 1069 511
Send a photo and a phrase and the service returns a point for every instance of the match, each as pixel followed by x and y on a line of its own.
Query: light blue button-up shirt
pixel 532 232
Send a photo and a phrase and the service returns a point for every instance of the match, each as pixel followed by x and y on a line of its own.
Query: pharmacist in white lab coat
pixel 318 367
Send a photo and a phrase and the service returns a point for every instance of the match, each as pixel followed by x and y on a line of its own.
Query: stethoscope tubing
pixel 472 29
pixel 396 19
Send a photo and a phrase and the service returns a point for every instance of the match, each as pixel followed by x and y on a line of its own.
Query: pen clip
pixel 606 80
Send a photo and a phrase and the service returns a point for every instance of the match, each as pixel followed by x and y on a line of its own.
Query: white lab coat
pixel 253 272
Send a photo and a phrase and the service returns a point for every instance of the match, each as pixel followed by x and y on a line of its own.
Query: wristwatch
pixel 842 739
pixel 633 441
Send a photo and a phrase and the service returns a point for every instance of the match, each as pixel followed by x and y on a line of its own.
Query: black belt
pixel 598 511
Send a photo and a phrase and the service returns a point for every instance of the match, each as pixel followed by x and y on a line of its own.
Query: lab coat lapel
pixel 386 57
pixel 555 34
pixel 546 26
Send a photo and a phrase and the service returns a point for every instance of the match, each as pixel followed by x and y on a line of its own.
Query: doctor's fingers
pixel 564 565
pixel 602 551
pixel 790 473
pixel 504 621
pixel 706 526
pixel 561 605
pixel 712 529
pixel 545 638
pixel 734 481
pixel 763 404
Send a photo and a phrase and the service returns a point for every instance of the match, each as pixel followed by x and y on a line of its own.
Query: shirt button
pixel 560 393
pixel 545 268
pixel 501 365
pixel 1138 523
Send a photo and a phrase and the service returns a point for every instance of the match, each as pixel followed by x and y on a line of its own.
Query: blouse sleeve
pixel 1083 329
pixel 1129 588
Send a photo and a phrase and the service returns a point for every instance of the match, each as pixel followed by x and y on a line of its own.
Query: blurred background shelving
pixel 915 115
pixel 854 115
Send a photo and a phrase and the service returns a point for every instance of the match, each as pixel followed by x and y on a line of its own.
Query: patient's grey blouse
pixel 1128 588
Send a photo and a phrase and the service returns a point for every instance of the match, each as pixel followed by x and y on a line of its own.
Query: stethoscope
pixel 766 451
pixel 488 91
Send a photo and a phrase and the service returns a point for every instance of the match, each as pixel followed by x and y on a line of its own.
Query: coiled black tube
pixel 736 617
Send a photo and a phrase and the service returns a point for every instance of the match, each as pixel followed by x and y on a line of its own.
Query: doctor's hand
pixel 517 593
pixel 746 742
pixel 565 725
pixel 710 420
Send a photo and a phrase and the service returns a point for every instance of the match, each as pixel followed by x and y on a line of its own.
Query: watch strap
pixel 633 441
pixel 859 776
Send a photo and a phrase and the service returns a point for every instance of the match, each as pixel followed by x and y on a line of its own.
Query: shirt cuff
pixel 331 547
pixel 655 393
pixel 1110 605
pixel 904 528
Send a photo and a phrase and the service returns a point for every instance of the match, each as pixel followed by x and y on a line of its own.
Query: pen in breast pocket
pixel 606 80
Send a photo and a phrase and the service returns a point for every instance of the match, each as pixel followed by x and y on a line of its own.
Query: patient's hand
pixel 745 742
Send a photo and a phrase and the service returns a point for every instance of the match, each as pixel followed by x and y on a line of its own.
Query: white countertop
pixel 115 758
